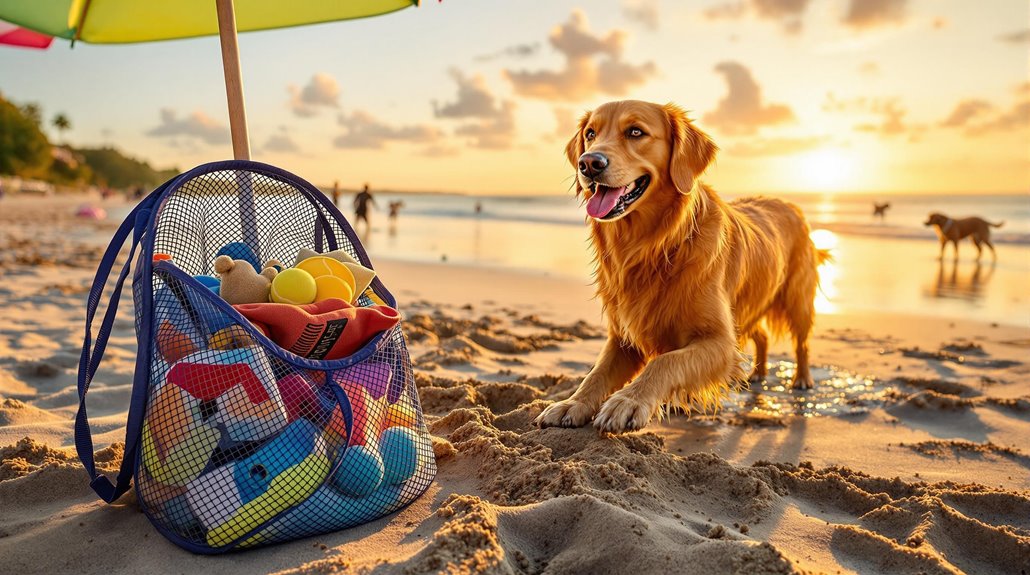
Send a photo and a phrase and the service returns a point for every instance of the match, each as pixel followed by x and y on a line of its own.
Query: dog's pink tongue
pixel 603 200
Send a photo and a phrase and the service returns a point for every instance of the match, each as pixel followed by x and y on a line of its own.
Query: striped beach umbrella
pixel 17 36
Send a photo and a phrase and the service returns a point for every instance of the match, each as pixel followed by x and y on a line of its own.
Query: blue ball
pixel 240 251
pixel 399 446
pixel 360 473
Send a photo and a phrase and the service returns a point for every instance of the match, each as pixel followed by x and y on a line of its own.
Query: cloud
pixel 281 142
pixel 494 133
pixel 889 115
pixel 1016 118
pixel 869 69
pixel 892 119
pixel 965 111
pixel 493 121
pixel 593 65
pixel 196 126
pixel 439 151
pixel 788 13
pixel 742 111
pixel 362 130
pixel 516 51
pixel 643 12
pixel 1017 37
pixel 565 123
pixel 777 146
pixel 321 92
pixel 863 14
pixel 474 100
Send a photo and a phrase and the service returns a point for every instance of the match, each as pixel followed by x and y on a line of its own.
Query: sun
pixel 826 169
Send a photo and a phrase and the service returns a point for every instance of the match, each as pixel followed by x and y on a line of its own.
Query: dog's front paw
pixel 802 381
pixel 622 412
pixel 565 413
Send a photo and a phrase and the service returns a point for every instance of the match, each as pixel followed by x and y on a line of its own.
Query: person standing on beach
pixel 336 193
pixel 361 202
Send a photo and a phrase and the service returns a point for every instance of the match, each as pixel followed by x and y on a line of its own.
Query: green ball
pixel 294 286
pixel 360 473
pixel 399 446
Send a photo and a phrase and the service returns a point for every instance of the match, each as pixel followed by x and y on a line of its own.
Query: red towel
pixel 329 329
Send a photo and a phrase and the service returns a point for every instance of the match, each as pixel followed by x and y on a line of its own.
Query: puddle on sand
pixel 836 392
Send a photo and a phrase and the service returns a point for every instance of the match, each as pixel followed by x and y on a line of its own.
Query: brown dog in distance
pixel 949 230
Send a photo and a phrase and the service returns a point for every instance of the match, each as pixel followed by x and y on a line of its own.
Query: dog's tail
pixel 997 225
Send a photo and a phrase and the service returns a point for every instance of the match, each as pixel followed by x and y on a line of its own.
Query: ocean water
pixel 879 265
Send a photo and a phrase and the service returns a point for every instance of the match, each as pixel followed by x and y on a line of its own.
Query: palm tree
pixel 62 123
pixel 33 112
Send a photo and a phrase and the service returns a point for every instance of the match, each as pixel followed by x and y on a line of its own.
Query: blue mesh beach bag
pixel 259 422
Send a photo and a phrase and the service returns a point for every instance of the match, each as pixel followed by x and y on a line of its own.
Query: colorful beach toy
pixel 241 386
pixel 234 499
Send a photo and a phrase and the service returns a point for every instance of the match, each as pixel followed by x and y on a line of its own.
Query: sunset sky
pixel 480 96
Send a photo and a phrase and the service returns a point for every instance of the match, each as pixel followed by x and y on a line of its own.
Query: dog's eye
pixel 634 132
pixel 590 134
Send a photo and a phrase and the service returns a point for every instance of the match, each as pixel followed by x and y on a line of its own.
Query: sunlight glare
pixel 826 169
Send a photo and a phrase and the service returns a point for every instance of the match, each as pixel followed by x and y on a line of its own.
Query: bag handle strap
pixel 93 352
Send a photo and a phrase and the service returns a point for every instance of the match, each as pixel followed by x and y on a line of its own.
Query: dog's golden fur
pixel 952 230
pixel 684 278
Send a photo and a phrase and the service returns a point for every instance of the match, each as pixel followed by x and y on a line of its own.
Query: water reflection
pixel 836 392
pixel 951 284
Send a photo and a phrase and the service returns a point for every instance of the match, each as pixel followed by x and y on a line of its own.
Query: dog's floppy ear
pixel 692 149
pixel 574 149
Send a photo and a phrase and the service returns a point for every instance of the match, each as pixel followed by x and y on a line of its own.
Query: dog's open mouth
pixel 608 203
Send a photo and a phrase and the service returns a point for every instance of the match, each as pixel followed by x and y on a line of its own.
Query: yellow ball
pixel 324 267
pixel 333 287
pixel 294 286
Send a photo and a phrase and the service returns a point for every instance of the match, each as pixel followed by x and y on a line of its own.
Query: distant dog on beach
pixel 880 210
pixel 950 230
pixel 684 278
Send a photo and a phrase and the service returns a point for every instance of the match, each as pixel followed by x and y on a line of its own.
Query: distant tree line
pixel 25 151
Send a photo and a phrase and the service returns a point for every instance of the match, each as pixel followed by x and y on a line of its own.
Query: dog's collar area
pixel 947 225
pixel 627 199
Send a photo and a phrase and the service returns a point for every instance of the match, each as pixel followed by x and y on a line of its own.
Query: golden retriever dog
pixel 684 278
pixel 949 230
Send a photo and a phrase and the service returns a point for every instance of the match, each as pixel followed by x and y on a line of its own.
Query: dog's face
pixel 935 219
pixel 631 155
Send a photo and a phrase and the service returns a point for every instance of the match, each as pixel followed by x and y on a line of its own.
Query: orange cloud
pixel 742 110
pixel 965 111
pixel 321 92
pixel 593 65
pixel 362 130
pixel 863 14
pixel 788 13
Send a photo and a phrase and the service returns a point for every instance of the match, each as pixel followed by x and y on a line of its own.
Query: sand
pixel 910 456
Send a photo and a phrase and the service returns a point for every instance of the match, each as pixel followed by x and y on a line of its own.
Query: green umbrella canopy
pixel 126 21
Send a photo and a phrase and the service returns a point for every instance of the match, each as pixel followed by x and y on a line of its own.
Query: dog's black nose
pixel 592 163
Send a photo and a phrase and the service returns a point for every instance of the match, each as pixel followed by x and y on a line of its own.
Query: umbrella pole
pixel 238 121
pixel 233 79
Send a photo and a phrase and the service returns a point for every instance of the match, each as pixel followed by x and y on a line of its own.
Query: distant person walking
pixel 479 208
pixel 361 202
pixel 336 193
